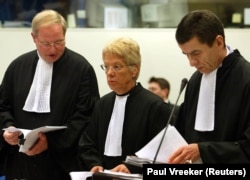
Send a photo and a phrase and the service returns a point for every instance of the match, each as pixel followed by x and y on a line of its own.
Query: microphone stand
pixel 183 84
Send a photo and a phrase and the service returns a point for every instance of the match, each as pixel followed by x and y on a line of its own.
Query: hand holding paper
pixel 31 136
pixel 172 141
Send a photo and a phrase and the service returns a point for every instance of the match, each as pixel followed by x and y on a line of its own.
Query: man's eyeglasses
pixel 115 68
pixel 56 44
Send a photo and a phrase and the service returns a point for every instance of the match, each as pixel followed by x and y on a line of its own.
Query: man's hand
pixel 11 137
pixel 185 155
pixel 40 146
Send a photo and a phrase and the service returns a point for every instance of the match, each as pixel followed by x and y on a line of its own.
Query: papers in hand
pixel 172 141
pixel 31 136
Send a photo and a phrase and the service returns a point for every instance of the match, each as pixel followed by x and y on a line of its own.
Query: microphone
pixel 183 85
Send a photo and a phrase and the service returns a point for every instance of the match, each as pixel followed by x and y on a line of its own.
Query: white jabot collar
pixel 206 103
pixel 113 142
pixel 38 99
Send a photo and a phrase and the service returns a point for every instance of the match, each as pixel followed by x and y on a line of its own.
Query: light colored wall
pixel 161 55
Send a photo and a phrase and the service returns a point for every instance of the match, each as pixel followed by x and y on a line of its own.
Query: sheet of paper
pixel 31 136
pixel 82 175
pixel 171 142
pixel 12 129
pixel 124 175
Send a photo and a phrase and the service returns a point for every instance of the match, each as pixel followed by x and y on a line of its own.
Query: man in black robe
pixel 215 115
pixel 66 97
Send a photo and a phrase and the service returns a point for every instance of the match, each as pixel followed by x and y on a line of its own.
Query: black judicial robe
pixel 145 115
pixel 74 91
pixel 230 140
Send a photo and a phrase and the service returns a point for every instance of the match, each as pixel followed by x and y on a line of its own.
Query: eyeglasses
pixel 115 68
pixel 56 44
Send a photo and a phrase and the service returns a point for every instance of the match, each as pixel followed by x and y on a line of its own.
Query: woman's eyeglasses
pixel 115 68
